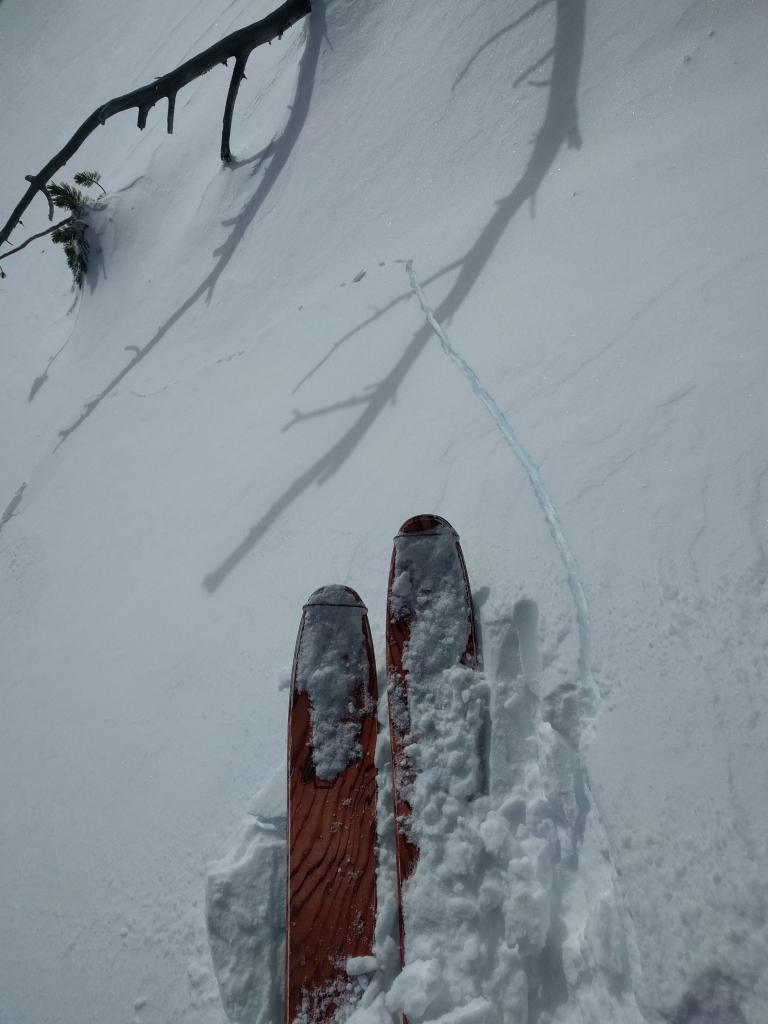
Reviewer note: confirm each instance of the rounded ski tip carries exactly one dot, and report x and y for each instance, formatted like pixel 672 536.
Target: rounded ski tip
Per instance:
pixel 337 596
pixel 426 526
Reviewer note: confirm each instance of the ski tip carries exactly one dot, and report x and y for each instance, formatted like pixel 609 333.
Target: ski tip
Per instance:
pixel 336 596
pixel 426 526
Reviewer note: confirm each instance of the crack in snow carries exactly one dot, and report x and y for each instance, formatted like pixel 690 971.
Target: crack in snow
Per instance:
pixel 568 559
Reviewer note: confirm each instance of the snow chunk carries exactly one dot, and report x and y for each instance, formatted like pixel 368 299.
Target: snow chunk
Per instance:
pixel 358 965
pixel 332 669
pixel 429 588
pixel 415 988
pixel 495 834
pixel 245 907
pixel 477 1011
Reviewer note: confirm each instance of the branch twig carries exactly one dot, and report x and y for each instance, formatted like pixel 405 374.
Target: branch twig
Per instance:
pixel 238 75
pixel 238 44
pixel 40 234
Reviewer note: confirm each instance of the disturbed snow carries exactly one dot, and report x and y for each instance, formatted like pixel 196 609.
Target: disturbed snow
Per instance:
pixel 331 662
pixel 512 914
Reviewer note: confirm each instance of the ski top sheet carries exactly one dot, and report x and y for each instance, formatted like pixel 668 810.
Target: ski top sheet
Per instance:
pixel 331 876
pixel 430 633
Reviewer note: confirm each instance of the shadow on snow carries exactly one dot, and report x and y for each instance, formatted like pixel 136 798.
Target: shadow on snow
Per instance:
pixel 559 127
pixel 278 153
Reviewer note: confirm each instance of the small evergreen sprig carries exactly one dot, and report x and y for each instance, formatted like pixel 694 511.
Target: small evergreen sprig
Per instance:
pixel 88 179
pixel 71 233
pixel 66 197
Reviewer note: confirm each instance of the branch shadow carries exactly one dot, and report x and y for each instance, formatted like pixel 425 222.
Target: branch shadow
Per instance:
pixel 42 378
pixel 12 506
pixel 280 150
pixel 502 32
pixel 524 75
pixel 402 297
pixel 559 127
pixel 348 403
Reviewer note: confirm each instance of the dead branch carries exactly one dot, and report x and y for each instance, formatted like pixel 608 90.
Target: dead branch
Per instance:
pixel 238 75
pixel 238 44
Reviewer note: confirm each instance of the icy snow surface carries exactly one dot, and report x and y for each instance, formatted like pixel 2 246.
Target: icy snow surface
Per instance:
pixel 247 400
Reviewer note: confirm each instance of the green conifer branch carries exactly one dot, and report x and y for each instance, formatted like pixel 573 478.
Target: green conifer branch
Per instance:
pixel 88 179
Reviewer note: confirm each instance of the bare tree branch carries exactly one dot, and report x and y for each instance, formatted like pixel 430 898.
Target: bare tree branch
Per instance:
pixel 171 112
pixel 238 75
pixel 238 44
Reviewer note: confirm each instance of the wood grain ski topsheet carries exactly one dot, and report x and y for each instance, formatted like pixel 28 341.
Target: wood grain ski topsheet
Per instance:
pixel 332 727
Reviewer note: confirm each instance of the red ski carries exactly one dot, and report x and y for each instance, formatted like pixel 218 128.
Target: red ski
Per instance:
pixel 430 629
pixel 331 878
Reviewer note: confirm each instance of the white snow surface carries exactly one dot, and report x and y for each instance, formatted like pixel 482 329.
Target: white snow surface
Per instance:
pixel 248 398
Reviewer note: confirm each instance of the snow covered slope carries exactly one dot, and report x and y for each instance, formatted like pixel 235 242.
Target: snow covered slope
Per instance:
pixel 247 400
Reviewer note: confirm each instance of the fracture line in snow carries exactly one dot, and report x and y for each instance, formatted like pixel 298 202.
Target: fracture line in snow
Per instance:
pixel 542 496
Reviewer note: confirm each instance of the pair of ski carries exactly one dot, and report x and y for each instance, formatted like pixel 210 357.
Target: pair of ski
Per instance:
pixel 332 732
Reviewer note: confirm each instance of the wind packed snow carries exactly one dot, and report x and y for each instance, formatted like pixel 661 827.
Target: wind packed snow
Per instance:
pixel 250 395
